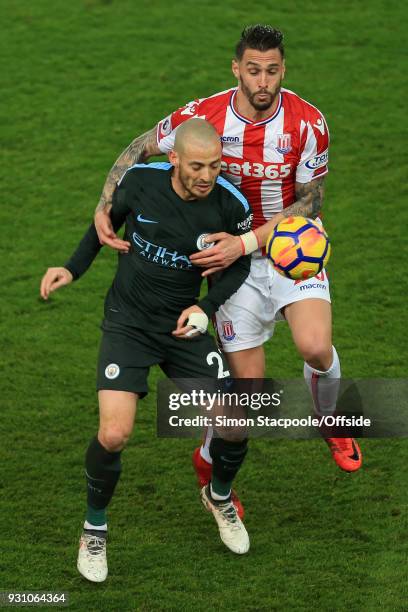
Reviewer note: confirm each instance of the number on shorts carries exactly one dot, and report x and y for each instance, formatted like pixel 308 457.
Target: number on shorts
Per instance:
pixel 217 357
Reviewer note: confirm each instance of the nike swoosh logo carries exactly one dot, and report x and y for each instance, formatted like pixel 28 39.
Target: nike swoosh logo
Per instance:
pixel 143 220
pixel 355 454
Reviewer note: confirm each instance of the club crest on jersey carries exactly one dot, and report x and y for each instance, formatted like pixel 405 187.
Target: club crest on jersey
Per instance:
pixel 284 144
pixel 112 371
pixel 228 332
pixel 201 244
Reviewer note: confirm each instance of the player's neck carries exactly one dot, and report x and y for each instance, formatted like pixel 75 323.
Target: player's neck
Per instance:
pixel 179 189
pixel 245 108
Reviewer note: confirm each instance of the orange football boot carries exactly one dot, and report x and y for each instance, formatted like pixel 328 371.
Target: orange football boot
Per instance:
pixel 346 453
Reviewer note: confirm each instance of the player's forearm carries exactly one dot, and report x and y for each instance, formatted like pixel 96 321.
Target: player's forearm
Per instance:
pixel 229 282
pixel 309 200
pixel 262 232
pixel 138 151
pixel 89 246
pixel 84 254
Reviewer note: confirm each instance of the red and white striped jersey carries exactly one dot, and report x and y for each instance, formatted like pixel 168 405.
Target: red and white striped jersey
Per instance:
pixel 266 158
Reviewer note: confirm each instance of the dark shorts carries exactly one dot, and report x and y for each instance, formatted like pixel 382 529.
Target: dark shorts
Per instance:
pixel 127 353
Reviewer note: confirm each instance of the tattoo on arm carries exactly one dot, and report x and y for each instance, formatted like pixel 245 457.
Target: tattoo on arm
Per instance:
pixel 139 150
pixel 309 199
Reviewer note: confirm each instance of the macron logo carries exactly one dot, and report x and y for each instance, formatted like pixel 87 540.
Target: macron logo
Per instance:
pixel 229 139
pixel 143 220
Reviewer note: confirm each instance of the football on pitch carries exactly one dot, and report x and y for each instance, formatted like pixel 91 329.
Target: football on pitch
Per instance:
pixel 298 248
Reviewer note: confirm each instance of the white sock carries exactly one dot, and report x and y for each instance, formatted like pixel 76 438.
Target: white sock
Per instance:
pixel 324 386
pixel 218 497
pixel 205 447
pixel 95 527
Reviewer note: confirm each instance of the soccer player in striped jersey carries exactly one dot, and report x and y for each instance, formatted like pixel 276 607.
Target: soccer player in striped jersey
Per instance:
pixel 275 148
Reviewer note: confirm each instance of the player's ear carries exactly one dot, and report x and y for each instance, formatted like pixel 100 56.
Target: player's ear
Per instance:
pixel 173 157
pixel 235 68
pixel 283 69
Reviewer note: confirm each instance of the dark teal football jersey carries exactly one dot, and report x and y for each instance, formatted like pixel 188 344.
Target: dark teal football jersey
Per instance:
pixel 156 280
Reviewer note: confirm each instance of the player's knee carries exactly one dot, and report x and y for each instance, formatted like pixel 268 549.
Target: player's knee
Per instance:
pixel 317 352
pixel 113 437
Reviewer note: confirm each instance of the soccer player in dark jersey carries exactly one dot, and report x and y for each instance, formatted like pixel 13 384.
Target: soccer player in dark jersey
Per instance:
pixel 153 315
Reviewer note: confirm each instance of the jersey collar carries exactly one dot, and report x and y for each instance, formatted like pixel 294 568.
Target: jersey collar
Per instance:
pixel 248 121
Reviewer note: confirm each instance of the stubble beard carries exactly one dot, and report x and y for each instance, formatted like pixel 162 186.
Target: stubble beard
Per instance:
pixel 260 106
pixel 188 186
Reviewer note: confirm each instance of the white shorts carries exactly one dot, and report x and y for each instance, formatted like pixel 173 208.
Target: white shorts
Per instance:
pixel 248 318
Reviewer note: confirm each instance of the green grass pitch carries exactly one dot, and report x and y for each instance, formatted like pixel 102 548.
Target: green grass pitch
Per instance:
pixel 80 80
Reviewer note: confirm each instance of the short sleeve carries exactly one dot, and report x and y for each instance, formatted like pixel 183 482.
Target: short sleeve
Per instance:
pixel 239 219
pixel 166 129
pixel 314 148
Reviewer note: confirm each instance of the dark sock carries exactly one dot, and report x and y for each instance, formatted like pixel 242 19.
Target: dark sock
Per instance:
pixel 102 474
pixel 95 517
pixel 227 458
pixel 97 532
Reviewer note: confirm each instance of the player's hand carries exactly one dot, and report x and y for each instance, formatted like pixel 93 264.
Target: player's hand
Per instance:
pixel 223 254
pixel 106 235
pixel 53 279
pixel 182 329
